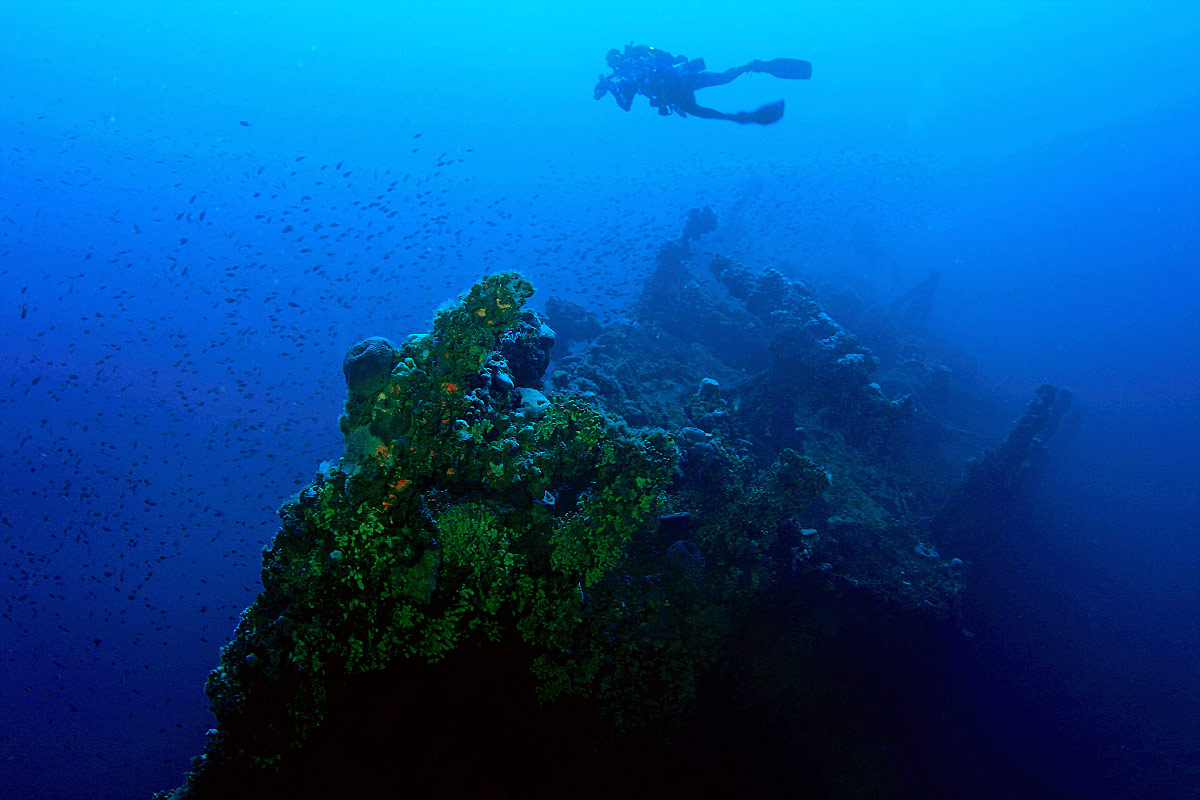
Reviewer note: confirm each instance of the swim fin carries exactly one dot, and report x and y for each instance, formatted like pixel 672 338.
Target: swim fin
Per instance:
pixel 785 68
pixel 765 115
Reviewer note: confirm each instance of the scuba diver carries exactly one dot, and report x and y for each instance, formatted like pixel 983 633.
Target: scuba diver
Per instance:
pixel 670 82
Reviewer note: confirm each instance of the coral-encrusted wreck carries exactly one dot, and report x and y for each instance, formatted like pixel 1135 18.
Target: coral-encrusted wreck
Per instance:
pixel 514 585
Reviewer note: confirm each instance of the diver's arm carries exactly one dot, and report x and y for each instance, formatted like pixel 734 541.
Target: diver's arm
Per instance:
pixel 624 99
pixel 619 91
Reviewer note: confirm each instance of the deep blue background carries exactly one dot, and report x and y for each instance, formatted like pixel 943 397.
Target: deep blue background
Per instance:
pixel 168 378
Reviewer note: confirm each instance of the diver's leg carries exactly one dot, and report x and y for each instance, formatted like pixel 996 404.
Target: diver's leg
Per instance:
pixel 793 68
pixel 706 79
pixel 765 115
pixel 701 111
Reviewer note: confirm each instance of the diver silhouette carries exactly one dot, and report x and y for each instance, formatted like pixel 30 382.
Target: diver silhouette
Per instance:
pixel 670 82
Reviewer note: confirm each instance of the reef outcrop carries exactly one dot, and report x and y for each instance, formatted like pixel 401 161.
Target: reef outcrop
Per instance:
pixel 525 577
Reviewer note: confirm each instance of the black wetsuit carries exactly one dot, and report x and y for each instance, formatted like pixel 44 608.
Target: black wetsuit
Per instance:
pixel 670 82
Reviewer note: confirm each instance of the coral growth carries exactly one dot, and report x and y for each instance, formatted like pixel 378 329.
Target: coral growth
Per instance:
pixel 495 539
pixel 456 518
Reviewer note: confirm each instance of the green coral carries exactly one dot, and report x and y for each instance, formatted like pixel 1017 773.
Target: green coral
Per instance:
pixel 468 331
pixel 478 558
pixel 742 516
pixel 451 521
pixel 623 479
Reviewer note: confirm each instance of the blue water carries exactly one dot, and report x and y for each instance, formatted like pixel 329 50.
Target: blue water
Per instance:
pixel 202 207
